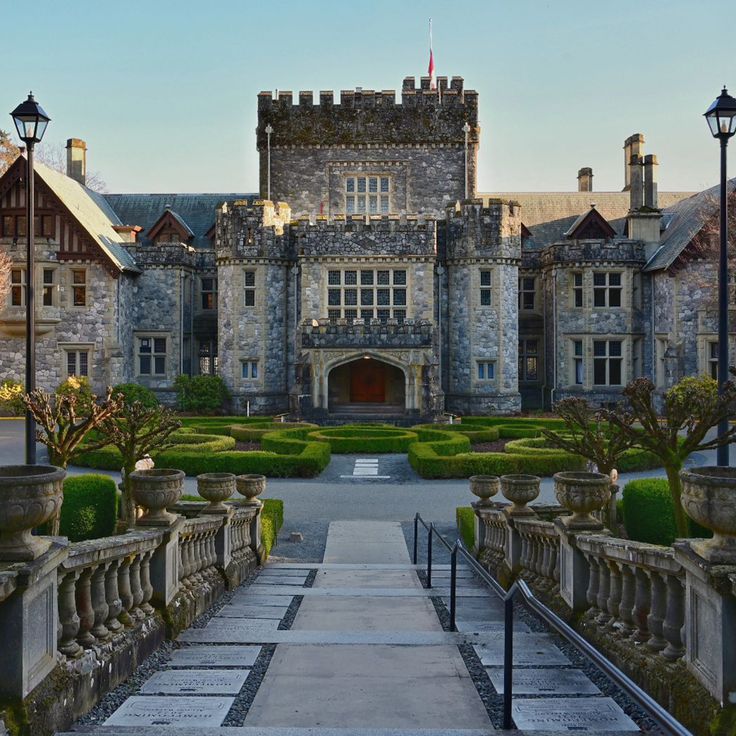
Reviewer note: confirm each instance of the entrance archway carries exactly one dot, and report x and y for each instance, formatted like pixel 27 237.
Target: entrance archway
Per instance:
pixel 367 385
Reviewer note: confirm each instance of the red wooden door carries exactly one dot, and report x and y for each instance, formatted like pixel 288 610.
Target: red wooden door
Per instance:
pixel 368 382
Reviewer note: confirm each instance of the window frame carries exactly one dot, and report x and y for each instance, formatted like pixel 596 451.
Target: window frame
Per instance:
pixel 577 290
pixel 76 349
pixel 152 355
pixel 18 287
pixel 578 362
pixel 357 201
pixel 485 290
pixel 209 294
pixel 607 359
pixel 250 369
pixel 482 366
pixel 524 355
pixel 359 295
pixel 249 290
pixel 607 289
pixel 74 285
pixel 524 292
pixel 48 288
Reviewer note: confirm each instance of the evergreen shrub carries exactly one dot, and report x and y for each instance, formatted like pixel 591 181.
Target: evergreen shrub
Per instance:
pixel 254 432
pixel 475 433
pixel 465 518
pixel 355 438
pixel 201 394
pixel 89 510
pixel 648 515
pixel 133 392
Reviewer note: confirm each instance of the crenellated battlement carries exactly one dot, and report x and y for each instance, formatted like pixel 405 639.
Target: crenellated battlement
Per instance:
pixel 365 117
pixel 342 224
pixel 486 230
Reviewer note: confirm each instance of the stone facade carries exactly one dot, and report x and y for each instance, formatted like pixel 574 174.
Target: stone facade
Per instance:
pixel 368 282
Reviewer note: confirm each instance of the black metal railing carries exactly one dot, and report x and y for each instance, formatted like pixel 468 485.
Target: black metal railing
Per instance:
pixel 520 590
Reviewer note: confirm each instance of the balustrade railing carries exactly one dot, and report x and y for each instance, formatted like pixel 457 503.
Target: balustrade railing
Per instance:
pixel 197 551
pixel 636 590
pixel 493 533
pixel 240 536
pixel 104 587
pixel 539 557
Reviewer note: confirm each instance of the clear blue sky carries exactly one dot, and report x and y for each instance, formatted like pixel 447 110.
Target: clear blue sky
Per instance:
pixel 164 91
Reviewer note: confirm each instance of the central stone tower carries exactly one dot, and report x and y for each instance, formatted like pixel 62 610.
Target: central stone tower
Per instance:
pixel 369 154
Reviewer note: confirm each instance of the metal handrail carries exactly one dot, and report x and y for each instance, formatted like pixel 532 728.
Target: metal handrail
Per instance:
pixel 520 589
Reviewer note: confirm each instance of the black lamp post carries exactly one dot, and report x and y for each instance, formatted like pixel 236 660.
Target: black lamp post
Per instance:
pixel 721 117
pixel 30 122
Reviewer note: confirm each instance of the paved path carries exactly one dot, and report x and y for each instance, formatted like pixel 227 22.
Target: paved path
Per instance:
pixel 366 655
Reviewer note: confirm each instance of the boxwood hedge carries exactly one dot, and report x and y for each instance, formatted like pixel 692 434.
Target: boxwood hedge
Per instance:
pixel 465 519
pixel 254 431
pixel 648 515
pixel 353 438
pixel 89 509
pixel 475 433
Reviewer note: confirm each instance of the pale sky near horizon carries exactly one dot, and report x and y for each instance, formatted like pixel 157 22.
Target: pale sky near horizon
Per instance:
pixel 164 91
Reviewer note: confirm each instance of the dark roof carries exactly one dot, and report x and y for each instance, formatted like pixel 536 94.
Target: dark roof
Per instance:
pixel 684 220
pixel 196 211
pixel 549 215
pixel 590 224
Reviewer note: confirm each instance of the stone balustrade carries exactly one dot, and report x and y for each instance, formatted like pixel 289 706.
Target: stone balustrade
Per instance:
pixel 648 607
pixel 104 587
pixel 77 619
pixel 637 590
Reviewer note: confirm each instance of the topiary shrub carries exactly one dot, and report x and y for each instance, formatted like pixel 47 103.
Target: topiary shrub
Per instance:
pixel 254 432
pixel 465 519
pixel 272 519
pixel 201 394
pixel 90 507
pixel 648 515
pixel 132 392
pixel 11 398
pixel 475 433
pixel 356 438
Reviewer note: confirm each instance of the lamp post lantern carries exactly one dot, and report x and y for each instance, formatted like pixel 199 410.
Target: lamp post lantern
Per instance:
pixel 721 118
pixel 269 130
pixel 466 130
pixel 30 122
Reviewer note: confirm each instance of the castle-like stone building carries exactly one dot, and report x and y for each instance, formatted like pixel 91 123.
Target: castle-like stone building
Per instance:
pixel 367 276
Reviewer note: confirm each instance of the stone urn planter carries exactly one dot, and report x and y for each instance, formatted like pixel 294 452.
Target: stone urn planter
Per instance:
pixel 156 490
pixel 30 495
pixel 485 487
pixel 215 488
pixel 520 489
pixel 709 497
pixel 250 486
pixel 582 493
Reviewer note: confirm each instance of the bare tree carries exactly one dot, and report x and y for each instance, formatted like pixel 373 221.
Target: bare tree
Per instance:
pixel 8 152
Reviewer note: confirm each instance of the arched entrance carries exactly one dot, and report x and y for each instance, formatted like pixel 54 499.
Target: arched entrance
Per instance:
pixel 367 385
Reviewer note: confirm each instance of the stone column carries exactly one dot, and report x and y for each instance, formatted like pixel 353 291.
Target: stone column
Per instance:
pixel 223 539
pixel 29 620
pixel 574 571
pixel 710 622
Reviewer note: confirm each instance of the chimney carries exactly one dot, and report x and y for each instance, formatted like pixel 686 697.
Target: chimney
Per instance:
pixel 76 160
pixel 633 146
pixel 636 182
pixel 650 181
pixel 585 179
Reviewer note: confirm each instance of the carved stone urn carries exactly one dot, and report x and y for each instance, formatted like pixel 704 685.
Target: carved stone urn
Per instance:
pixel 215 488
pixel 709 497
pixel 582 493
pixel 30 495
pixel 156 490
pixel 520 489
pixel 485 487
pixel 250 486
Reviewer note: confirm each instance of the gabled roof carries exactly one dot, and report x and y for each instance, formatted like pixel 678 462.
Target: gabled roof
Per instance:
pixel 589 226
pixel 196 210
pixel 93 214
pixel 548 215
pixel 169 217
pixel 684 221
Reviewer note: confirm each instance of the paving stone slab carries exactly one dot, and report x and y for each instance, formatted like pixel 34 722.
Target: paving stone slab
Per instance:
pixel 276 581
pixel 466 625
pixel 195 682
pixel 581 715
pixel 247 611
pixel 284 731
pixel 262 600
pixel 151 710
pixel 275 590
pixel 268 571
pixel 216 633
pixel 548 681
pixel 225 656
pixel 529 649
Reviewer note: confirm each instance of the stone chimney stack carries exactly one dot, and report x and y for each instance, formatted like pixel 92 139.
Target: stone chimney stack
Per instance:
pixel 650 181
pixel 633 146
pixel 636 182
pixel 76 160
pixel 585 179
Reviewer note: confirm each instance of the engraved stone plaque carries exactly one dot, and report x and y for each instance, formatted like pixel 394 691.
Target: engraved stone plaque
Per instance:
pixel 571 714
pixel 224 656
pixel 150 710
pixel 552 681
pixel 195 682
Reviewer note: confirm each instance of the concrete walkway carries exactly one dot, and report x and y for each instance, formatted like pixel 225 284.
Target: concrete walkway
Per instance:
pixel 365 655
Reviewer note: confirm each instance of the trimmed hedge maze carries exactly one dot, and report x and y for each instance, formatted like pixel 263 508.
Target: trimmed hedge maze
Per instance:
pixel 353 438
pixel 285 453
pixel 446 452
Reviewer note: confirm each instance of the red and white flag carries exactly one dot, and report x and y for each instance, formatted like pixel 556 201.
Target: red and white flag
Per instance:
pixel 430 71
